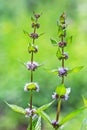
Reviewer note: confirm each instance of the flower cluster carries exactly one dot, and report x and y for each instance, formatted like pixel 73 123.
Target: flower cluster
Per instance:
pixel 30 112
pixel 31 86
pixel 65 96
pixel 62 71
pixel 31 65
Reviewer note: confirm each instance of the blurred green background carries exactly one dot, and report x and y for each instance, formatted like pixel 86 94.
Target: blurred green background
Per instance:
pixel 15 16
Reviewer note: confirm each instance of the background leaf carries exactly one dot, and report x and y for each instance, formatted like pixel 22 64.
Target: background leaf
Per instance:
pixel 71 115
pixel 75 70
pixel 54 42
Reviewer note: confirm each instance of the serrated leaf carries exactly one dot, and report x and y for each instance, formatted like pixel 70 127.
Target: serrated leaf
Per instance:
pixel 44 107
pixel 69 40
pixel 54 42
pixel 45 116
pixel 71 115
pixel 75 70
pixel 85 101
pixel 61 90
pixel 16 108
pixel 38 125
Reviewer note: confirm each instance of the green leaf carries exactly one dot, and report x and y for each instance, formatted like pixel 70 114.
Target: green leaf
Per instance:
pixel 75 70
pixel 62 18
pixel 31 48
pixel 16 108
pixel 26 33
pixel 61 90
pixel 69 40
pixel 59 54
pixel 31 86
pixel 34 122
pixel 85 101
pixel 33 19
pixel 45 116
pixel 60 31
pixel 54 71
pixel 71 115
pixel 44 107
pixel 54 42
pixel 41 34
pixel 38 125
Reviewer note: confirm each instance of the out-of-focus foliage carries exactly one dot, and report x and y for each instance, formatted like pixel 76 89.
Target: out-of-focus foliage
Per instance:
pixel 15 16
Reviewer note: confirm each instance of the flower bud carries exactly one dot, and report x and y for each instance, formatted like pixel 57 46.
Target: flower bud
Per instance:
pixel 31 65
pixel 37 16
pixel 65 56
pixel 54 123
pixel 62 71
pixel 55 96
pixel 62 44
pixel 30 113
pixel 34 35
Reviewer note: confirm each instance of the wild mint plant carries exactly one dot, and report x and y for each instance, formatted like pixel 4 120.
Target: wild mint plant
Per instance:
pixel 33 113
pixel 62 92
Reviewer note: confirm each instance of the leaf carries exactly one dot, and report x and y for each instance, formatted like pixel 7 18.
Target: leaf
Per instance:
pixel 61 90
pixel 41 34
pixel 33 19
pixel 58 54
pixel 38 125
pixel 54 71
pixel 69 40
pixel 26 33
pixel 60 31
pixel 31 48
pixel 85 101
pixel 54 42
pixel 44 107
pixel 62 18
pixel 45 116
pixel 16 108
pixel 75 70
pixel 71 115
pixel 34 122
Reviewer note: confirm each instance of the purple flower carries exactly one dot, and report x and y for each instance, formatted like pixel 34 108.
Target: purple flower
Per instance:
pixel 37 16
pixel 35 25
pixel 65 56
pixel 55 96
pixel 62 71
pixel 62 44
pixel 31 65
pixel 34 35
pixel 30 112
pixel 66 96
pixel 54 123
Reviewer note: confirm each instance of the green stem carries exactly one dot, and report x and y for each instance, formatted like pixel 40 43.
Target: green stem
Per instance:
pixel 58 109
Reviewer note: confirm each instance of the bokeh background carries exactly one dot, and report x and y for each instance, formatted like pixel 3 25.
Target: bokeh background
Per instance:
pixel 15 16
